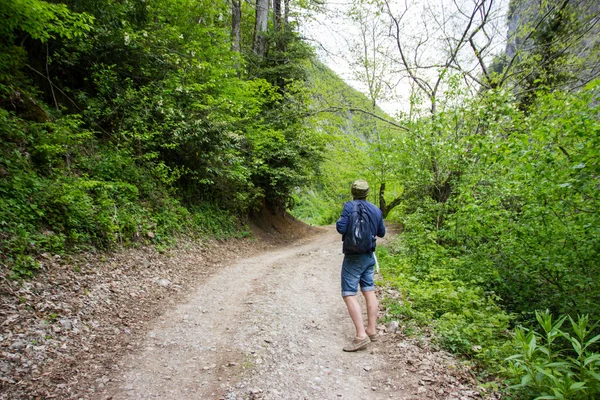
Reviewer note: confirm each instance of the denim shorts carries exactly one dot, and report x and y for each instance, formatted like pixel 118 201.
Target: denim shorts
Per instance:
pixel 357 269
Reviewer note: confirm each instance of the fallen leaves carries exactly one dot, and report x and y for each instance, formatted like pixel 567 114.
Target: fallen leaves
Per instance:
pixel 62 332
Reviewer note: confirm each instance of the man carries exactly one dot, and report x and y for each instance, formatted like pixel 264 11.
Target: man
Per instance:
pixel 358 268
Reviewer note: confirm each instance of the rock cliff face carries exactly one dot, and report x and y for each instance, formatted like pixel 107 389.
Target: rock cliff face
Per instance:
pixel 566 29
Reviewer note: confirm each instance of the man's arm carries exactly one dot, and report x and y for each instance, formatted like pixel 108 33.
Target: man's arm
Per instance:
pixel 342 224
pixel 381 227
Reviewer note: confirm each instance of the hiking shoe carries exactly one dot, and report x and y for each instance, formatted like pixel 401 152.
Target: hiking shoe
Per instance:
pixel 357 344
pixel 374 337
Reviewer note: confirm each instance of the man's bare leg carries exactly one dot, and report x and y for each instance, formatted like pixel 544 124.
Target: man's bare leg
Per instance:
pixel 356 315
pixel 372 310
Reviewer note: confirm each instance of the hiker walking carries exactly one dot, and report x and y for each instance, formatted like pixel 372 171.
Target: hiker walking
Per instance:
pixel 359 223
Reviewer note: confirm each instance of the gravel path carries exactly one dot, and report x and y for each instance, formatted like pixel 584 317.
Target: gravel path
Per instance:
pixel 272 326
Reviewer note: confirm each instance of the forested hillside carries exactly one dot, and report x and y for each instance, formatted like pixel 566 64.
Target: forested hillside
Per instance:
pixel 129 122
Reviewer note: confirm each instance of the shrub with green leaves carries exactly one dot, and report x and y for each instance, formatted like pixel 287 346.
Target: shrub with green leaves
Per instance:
pixel 466 320
pixel 557 363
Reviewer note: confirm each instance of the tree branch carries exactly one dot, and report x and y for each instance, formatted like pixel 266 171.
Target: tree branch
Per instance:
pixel 360 110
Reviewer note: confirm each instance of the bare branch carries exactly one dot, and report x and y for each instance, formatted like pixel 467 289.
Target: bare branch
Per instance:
pixel 360 110
pixel 424 86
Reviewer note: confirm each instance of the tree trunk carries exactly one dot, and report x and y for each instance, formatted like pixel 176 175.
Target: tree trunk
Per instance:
pixel 383 205
pixel 236 19
pixel 277 15
pixel 262 22
pixel 286 13
pixel 277 24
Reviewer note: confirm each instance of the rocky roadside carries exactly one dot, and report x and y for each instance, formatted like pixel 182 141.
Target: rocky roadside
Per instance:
pixel 61 332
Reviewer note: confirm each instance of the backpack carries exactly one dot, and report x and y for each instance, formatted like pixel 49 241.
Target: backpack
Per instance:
pixel 358 238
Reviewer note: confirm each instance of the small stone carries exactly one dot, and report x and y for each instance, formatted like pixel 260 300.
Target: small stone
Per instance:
pixel 163 282
pixel 17 345
pixel 393 326
pixel 373 388
pixel 66 324
pixel 367 368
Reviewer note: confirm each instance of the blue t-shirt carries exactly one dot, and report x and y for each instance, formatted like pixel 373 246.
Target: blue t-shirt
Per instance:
pixel 377 227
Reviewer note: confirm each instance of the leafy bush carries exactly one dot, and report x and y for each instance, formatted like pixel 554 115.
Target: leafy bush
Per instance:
pixel 72 192
pixel 465 319
pixel 557 363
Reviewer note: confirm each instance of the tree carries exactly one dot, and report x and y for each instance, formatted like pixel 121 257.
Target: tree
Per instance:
pixel 153 123
pixel 260 28
pixel 465 33
pixel 370 62
pixel 236 22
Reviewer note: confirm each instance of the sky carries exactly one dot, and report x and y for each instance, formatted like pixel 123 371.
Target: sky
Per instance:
pixel 332 34
pixel 329 34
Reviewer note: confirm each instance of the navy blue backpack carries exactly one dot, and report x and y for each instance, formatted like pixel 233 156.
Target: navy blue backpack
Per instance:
pixel 358 238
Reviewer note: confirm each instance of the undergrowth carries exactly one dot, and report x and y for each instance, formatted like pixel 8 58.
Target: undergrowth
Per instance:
pixel 464 318
pixel 64 191
pixel 546 361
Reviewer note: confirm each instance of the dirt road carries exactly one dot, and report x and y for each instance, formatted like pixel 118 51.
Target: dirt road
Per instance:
pixel 273 327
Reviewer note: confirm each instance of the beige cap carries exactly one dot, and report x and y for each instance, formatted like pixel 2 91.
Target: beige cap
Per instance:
pixel 360 189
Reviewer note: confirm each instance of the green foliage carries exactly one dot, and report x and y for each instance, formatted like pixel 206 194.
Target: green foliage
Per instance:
pixel 71 191
pixel 156 128
pixel 512 196
pixel 39 20
pixel 526 216
pixel 352 147
pixel 557 363
pixel 42 20
pixel 466 320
